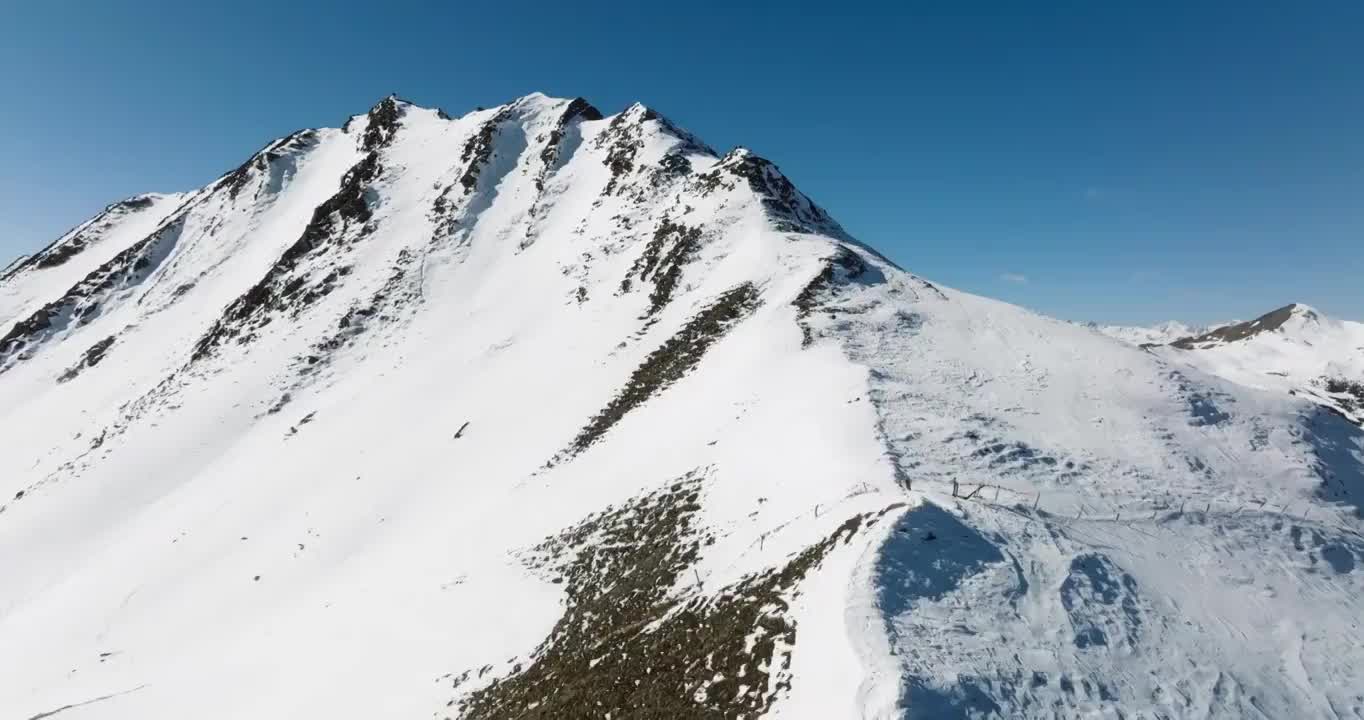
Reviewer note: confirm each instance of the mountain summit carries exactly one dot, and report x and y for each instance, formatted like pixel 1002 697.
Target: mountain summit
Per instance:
pixel 542 413
pixel 1293 349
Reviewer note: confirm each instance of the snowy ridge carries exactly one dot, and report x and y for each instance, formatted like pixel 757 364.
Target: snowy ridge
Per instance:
pixel 74 255
pixel 14 264
pixel 539 413
pixel 1294 349
pixel 1293 343
pixel 1161 334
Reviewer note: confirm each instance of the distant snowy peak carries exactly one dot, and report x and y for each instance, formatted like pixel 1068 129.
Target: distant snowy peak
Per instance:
pixel 1287 319
pixel 1162 334
pixel 1296 337
pixel 1294 348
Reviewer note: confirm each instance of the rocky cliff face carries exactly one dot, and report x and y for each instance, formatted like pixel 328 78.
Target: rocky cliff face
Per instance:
pixel 538 412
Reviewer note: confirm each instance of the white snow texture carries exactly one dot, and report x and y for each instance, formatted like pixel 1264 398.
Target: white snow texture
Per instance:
pixel 289 446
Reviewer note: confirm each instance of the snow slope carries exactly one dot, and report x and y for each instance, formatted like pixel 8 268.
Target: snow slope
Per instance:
pixel 535 413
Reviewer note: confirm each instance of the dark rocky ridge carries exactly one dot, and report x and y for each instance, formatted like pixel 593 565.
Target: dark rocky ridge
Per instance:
pixel 624 138
pixel 479 150
pixel 70 245
pixel 789 209
pixel 1268 322
pixel 282 289
pixel 664 269
pixel 259 163
pixel 840 269
pixel 84 301
pixel 383 123
pixel 457 202
pixel 14 266
pixel 90 358
pixel 557 145
pixel 578 109
pixel 669 363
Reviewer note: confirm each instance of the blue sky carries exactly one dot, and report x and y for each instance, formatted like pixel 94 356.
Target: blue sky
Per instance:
pixel 1122 162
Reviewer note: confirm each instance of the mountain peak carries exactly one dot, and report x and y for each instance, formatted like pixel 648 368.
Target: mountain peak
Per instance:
pixel 1272 321
pixel 639 112
pixel 390 99
pixel 1307 312
pixel 646 432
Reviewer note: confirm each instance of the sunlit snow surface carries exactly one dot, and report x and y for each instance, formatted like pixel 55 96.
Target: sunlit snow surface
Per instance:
pixel 304 478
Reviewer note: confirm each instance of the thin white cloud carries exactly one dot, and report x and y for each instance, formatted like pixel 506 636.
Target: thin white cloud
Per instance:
pixel 1015 278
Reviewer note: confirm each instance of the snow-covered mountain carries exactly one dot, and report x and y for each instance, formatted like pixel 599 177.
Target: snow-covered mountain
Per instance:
pixel 535 413
pixel 1293 349
pixel 1160 334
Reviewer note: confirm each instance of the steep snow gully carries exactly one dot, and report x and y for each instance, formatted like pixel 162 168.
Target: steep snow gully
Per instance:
pixel 541 413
